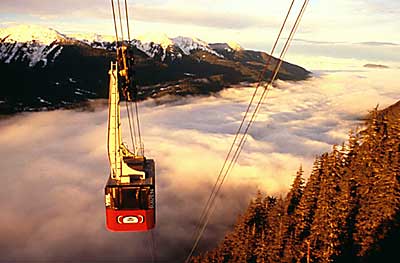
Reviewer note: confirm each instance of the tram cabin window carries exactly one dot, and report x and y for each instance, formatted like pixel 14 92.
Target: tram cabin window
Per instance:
pixel 130 197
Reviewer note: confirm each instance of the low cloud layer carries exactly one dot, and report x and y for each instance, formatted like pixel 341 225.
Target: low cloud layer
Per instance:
pixel 54 165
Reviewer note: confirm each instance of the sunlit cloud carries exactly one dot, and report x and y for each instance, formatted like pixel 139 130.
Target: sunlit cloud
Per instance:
pixel 54 164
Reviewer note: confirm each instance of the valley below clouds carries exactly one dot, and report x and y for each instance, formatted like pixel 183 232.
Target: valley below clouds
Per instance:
pixel 54 164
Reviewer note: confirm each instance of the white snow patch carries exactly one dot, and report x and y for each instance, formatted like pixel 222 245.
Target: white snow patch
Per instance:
pixel 187 44
pixel 149 48
pixel 58 52
pixel 85 91
pixel 29 43
pixel 38 54
pixel 44 101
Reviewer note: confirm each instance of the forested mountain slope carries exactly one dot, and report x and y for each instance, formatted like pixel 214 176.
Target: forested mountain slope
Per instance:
pixel 348 211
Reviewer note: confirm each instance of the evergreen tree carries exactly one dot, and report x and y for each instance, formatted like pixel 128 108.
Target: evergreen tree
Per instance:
pixel 291 220
pixel 348 211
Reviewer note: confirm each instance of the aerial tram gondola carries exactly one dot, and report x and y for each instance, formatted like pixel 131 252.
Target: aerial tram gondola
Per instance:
pixel 130 189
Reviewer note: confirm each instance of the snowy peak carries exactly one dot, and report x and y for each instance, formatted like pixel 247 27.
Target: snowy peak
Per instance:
pixel 34 44
pixel 152 43
pixel 91 37
pixel 30 44
pixel 30 33
pixel 187 44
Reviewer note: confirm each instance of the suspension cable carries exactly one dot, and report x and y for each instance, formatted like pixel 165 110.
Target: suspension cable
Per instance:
pixel 115 23
pixel 245 134
pixel 130 125
pixel 133 112
pixel 127 21
pixel 260 78
pixel 207 211
pixel 267 88
pixel 141 145
pixel 120 20
pixel 151 244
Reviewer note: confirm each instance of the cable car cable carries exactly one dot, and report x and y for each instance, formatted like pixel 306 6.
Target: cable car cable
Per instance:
pixel 153 246
pixel 120 20
pixel 133 113
pixel 117 40
pixel 130 125
pixel 139 144
pixel 115 23
pixel 261 75
pixel 245 116
pixel 238 150
pixel 266 90
pixel 128 108
pixel 127 22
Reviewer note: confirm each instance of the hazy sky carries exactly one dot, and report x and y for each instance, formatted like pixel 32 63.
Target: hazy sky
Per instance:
pixel 337 28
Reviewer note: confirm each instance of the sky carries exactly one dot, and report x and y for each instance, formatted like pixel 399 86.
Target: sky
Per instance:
pixel 55 171
pixel 54 164
pixel 360 29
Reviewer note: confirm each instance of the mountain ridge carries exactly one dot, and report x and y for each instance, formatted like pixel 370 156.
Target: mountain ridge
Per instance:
pixel 347 211
pixel 65 71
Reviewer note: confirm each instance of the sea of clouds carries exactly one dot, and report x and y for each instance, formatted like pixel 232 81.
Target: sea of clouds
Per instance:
pixel 54 164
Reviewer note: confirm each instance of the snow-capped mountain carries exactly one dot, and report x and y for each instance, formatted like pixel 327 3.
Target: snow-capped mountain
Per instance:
pixel 37 44
pixel 45 69
pixel 31 44
pixel 32 53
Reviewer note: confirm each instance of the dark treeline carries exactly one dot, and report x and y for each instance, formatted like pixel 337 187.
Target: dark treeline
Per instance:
pixel 348 211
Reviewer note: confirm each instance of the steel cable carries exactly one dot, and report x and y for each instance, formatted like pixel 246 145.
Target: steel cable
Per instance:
pixel 207 211
pixel 261 75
